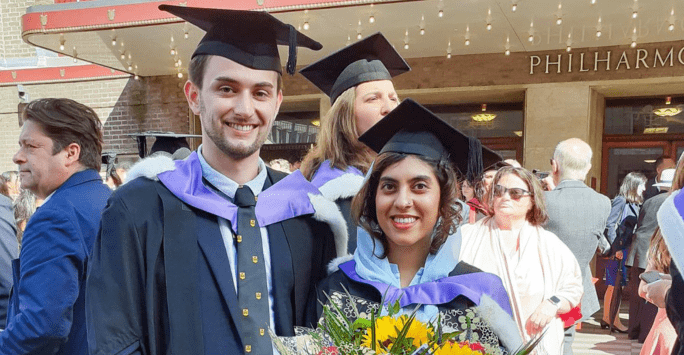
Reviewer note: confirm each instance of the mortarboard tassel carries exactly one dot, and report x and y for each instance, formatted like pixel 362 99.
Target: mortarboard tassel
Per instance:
pixel 292 56
pixel 474 159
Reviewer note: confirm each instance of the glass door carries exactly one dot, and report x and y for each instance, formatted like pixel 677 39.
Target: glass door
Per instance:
pixel 628 158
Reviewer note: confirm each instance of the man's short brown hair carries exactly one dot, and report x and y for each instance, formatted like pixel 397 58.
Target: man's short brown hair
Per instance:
pixel 66 121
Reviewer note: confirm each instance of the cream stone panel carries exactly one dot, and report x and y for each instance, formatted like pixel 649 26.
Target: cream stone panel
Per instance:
pixel 555 112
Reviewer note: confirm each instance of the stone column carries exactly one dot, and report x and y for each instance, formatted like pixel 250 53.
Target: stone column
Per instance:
pixel 555 112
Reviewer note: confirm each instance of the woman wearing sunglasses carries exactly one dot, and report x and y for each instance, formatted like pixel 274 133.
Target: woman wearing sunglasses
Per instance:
pixel 540 273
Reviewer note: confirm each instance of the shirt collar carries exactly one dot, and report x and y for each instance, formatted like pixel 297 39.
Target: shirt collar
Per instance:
pixel 48 197
pixel 227 186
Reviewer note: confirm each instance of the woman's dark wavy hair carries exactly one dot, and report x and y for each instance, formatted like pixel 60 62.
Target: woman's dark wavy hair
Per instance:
pixel 630 187
pixel 364 210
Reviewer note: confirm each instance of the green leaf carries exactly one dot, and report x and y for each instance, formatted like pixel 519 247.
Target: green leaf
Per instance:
pixel 356 311
pixel 373 340
pixel 361 323
pixel 394 308
pixel 528 347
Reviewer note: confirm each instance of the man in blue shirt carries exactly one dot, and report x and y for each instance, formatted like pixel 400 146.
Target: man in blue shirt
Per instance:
pixel 59 159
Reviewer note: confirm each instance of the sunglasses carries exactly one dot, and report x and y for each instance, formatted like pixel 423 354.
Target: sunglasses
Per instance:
pixel 516 193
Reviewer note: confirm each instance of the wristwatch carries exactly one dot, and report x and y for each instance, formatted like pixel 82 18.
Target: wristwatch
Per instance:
pixel 555 301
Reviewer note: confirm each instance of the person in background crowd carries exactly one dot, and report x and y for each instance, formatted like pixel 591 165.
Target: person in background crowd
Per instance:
pixel 481 184
pixel 12 179
pixel 660 164
pixel 358 80
pixel 409 229
pixel 296 164
pixel 117 175
pixel 24 207
pixel 488 176
pixel 577 215
pixel 624 211
pixel 280 165
pixel 472 195
pixel 59 159
pixel 4 187
pixel 113 180
pixel 540 273
pixel 467 191
pixel 235 247
pixel 669 293
pixel 641 313
pixel 662 335
pixel 547 183
pixel 9 248
pixel 513 163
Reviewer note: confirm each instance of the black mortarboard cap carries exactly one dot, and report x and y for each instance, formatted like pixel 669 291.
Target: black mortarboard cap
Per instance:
pixel 250 38
pixel 372 58
pixel 412 129
pixel 164 141
pixel 168 144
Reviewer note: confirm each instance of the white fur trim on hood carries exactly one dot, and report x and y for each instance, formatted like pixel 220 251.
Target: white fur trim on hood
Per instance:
pixel 328 212
pixel 343 186
pixel 150 167
pixel 501 323
pixel 672 227
pixel 334 264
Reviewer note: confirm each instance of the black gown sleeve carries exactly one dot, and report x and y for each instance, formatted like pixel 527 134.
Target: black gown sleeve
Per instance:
pixel 115 309
pixel 675 306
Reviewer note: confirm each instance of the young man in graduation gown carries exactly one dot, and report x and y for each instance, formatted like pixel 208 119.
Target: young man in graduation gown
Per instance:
pixel 204 255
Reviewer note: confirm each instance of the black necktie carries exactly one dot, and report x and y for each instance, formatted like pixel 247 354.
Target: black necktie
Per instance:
pixel 251 283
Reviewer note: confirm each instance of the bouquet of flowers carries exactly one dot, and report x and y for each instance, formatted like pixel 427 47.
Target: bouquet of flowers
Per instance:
pixel 392 333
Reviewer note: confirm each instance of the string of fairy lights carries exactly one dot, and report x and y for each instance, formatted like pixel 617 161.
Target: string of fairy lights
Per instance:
pixel 128 61
pixel 559 16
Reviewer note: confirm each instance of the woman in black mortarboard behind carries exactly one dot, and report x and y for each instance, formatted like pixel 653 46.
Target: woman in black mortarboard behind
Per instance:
pixel 409 240
pixel 358 80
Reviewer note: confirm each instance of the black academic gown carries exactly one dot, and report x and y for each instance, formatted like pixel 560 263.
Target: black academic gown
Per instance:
pixel 675 307
pixel 344 204
pixel 161 283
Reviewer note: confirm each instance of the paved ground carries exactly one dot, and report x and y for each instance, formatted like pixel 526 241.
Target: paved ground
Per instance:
pixel 592 340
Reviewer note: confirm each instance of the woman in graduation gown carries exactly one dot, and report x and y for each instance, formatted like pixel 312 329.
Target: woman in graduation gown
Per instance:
pixel 409 228
pixel 358 80
pixel 540 273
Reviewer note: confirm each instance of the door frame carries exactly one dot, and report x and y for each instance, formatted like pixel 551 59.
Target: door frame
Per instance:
pixel 505 143
pixel 669 143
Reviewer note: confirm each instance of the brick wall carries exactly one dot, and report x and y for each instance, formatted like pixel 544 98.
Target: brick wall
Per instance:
pixel 11 44
pixel 124 105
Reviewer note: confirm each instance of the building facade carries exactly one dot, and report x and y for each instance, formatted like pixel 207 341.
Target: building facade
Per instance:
pixel 564 83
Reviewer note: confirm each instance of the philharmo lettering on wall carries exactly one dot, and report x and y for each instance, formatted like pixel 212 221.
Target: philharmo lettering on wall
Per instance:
pixel 594 61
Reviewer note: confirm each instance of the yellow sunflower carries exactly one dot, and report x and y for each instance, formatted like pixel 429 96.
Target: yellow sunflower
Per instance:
pixel 386 328
pixel 450 348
